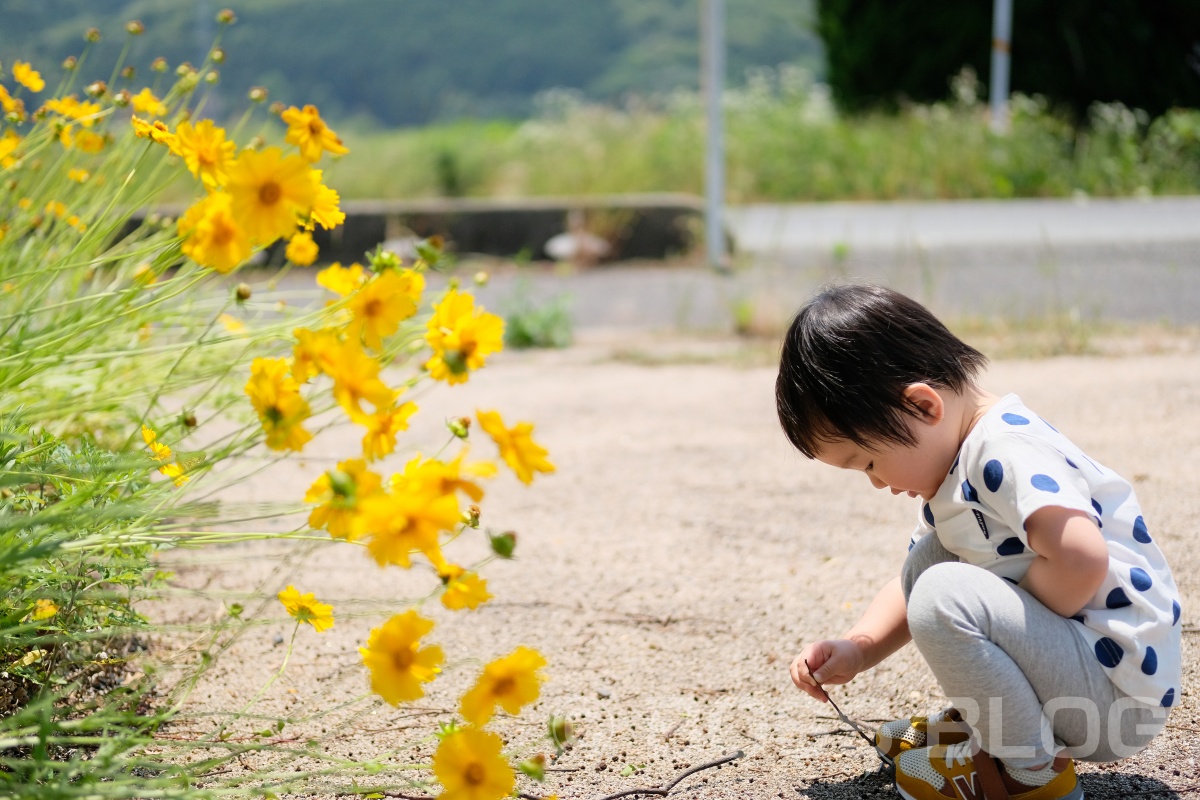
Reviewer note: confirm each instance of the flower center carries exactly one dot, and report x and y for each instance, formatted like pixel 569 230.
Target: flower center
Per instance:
pixel 503 686
pixel 402 659
pixel 474 773
pixel 269 193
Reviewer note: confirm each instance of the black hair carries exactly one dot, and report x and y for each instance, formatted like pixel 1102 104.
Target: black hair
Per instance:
pixel 849 355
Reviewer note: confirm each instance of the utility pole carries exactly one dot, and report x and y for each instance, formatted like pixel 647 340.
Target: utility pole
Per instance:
pixel 1002 13
pixel 713 73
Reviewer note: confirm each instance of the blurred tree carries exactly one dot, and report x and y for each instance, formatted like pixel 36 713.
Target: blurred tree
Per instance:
pixel 1143 53
pixel 411 62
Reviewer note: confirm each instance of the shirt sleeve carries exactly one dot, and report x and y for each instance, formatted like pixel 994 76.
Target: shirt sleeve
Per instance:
pixel 1016 474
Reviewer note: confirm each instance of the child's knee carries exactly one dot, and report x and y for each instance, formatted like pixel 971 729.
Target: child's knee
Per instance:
pixel 942 599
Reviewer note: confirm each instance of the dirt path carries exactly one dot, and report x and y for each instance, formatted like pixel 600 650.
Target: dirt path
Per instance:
pixel 676 562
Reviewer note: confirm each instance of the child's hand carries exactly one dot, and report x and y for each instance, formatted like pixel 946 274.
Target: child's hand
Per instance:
pixel 831 660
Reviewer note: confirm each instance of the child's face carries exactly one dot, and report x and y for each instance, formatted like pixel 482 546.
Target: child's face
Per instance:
pixel 916 470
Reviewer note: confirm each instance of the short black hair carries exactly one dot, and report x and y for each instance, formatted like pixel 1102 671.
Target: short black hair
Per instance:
pixel 849 355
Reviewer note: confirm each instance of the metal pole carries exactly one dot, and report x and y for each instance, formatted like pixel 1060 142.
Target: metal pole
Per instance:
pixel 714 159
pixel 1002 12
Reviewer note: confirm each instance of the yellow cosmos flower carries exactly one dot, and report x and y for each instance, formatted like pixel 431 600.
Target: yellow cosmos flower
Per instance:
pixel 382 429
pixel 516 444
pixel 301 249
pixel 71 108
pixel 339 494
pixel 24 74
pixel 89 142
pixel 383 303
pixel 156 131
pixel 306 608
pixel 43 609
pixel 205 151
pixel 342 280
pixel 400 524
pixel 439 477
pixel 469 766
pixel 463 589
pixel 309 132
pixel 144 102
pixel 270 192
pixel 232 323
pixel 461 337
pixel 175 472
pixel 509 682
pixel 397 662
pixel 326 210
pixel 315 352
pixel 158 450
pixel 9 143
pixel 8 103
pixel 277 400
pixel 356 379
pixel 212 236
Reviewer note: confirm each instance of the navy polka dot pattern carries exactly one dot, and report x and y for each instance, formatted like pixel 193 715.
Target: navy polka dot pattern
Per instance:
pixel 993 475
pixel 1108 652
pixel 1168 698
pixel 1012 464
pixel 1150 662
pixel 1117 599
pixel 1045 483
pixel 1011 546
pixel 1140 579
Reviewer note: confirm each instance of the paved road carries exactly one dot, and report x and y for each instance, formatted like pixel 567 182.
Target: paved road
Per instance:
pixel 765 229
pixel 1129 260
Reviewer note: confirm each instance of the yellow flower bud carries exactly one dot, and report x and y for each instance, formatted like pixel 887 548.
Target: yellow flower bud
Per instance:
pixel 135 27
pixel 159 64
pixel 226 16
pixel 92 35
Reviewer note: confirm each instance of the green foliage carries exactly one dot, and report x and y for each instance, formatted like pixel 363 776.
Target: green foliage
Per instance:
pixel 528 323
pixel 411 62
pixel 785 142
pixel 1075 52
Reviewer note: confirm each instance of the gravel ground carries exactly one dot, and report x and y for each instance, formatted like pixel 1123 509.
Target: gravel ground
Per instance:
pixel 675 564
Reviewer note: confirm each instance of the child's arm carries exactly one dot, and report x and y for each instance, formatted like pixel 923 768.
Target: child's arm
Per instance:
pixel 881 631
pixel 1072 559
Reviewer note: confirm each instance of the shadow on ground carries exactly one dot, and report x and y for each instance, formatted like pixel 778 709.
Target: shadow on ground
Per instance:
pixel 873 785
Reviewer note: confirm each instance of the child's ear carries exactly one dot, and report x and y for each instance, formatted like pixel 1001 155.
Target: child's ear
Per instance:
pixel 926 401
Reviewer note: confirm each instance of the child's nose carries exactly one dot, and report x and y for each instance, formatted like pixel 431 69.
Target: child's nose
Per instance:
pixel 878 484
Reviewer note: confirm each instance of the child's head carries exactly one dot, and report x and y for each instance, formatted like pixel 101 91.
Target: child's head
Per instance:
pixel 847 359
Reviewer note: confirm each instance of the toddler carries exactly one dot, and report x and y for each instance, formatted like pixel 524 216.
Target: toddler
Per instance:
pixel 1032 586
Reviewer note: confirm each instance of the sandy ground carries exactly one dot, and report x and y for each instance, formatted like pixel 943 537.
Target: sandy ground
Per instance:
pixel 673 567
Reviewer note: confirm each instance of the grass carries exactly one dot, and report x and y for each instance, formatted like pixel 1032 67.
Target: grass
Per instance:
pixel 785 142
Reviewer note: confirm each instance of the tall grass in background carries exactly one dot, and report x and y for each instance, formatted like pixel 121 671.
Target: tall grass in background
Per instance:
pixel 124 409
pixel 786 142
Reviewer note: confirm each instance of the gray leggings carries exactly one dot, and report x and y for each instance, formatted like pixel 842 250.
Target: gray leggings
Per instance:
pixel 1019 673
